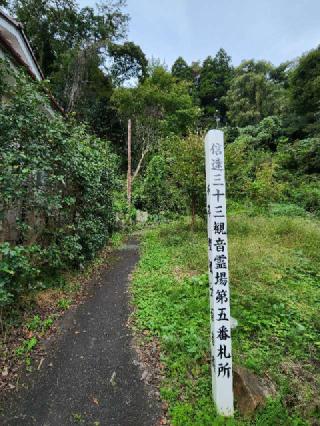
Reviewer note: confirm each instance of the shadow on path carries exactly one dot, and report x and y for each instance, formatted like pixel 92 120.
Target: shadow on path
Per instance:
pixel 91 376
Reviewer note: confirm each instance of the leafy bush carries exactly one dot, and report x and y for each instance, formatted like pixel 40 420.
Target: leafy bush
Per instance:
pixel 307 194
pixel 265 187
pixel 302 156
pixel 18 271
pixel 188 170
pixel 252 174
pixel 60 182
pixel 286 209
pixel 157 191
pixel 265 134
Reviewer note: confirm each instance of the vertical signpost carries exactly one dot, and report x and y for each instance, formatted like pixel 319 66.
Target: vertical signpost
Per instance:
pixel 129 178
pixel 221 359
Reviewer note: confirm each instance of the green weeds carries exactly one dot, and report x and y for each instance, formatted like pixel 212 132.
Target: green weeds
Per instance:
pixel 37 324
pixel 275 290
pixel 64 304
pixel 27 346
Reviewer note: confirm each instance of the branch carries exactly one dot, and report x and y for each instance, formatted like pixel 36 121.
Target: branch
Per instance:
pixel 144 152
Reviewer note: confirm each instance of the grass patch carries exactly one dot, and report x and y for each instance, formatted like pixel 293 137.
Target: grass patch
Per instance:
pixel 275 293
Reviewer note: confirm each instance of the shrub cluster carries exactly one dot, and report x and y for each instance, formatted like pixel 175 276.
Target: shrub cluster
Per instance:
pixel 57 179
pixel 263 166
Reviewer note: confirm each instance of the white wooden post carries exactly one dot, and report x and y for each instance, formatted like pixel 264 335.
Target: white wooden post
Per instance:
pixel 218 274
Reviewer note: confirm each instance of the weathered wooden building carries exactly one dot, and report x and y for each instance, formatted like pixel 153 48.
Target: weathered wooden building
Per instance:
pixel 15 46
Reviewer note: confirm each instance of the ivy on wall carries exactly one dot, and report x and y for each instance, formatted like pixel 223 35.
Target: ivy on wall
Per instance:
pixel 57 179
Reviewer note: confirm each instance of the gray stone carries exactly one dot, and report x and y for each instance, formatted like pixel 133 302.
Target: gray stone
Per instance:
pixel 141 216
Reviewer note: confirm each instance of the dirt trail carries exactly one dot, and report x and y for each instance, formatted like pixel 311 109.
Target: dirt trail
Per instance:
pixel 90 376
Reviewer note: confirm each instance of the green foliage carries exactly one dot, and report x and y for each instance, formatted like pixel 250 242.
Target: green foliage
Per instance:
pixel 307 194
pixel 158 107
pixel 54 171
pixel 305 89
pixel 267 134
pixel 64 304
pixel 188 170
pixel 128 62
pixel 125 213
pixel 19 271
pixel 286 209
pixel 276 335
pixel 27 346
pixel 264 166
pixel 251 174
pixel 302 156
pixel 215 79
pixel 157 191
pixel 253 95
pixel 37 324
pixel 55 27
pixel 84 54
pixel 181 70
pixel 159 99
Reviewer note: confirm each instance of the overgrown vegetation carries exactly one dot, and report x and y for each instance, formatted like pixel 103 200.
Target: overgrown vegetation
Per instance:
pixel 63 186
pixel 270 114
pixel 274 286
pixel 59 182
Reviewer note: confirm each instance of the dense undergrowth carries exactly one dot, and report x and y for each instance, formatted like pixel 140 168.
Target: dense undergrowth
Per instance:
pixel 58 182
pixel 275 286
pixel 60 198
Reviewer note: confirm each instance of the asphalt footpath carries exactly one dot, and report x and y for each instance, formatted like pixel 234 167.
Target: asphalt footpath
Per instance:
pixel 90 375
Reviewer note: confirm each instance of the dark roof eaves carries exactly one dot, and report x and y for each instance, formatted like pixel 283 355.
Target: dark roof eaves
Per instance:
pixel 19 26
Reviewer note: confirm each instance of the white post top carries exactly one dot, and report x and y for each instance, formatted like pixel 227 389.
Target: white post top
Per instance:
pixel 214 135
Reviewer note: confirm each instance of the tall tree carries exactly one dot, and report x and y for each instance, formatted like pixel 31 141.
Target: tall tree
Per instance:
pixel 55 26
pixel 129 62
pixel 253 94
pixel 215 78
pixel 158 106
pixel 188 170
pixel 181 70
pixel 80 53
pixel 305 90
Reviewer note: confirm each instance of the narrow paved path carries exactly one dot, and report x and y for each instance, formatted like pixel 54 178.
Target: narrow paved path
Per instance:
pixel 90 376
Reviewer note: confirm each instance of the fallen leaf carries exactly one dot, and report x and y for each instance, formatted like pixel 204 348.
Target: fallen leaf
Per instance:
pixel 5 371
pixel 165 406
pixel 95 401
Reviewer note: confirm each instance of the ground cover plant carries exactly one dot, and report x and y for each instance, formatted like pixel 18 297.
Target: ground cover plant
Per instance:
pixel 275 287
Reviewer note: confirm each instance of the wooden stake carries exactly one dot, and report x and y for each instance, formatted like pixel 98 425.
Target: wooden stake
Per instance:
pixel 129 178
